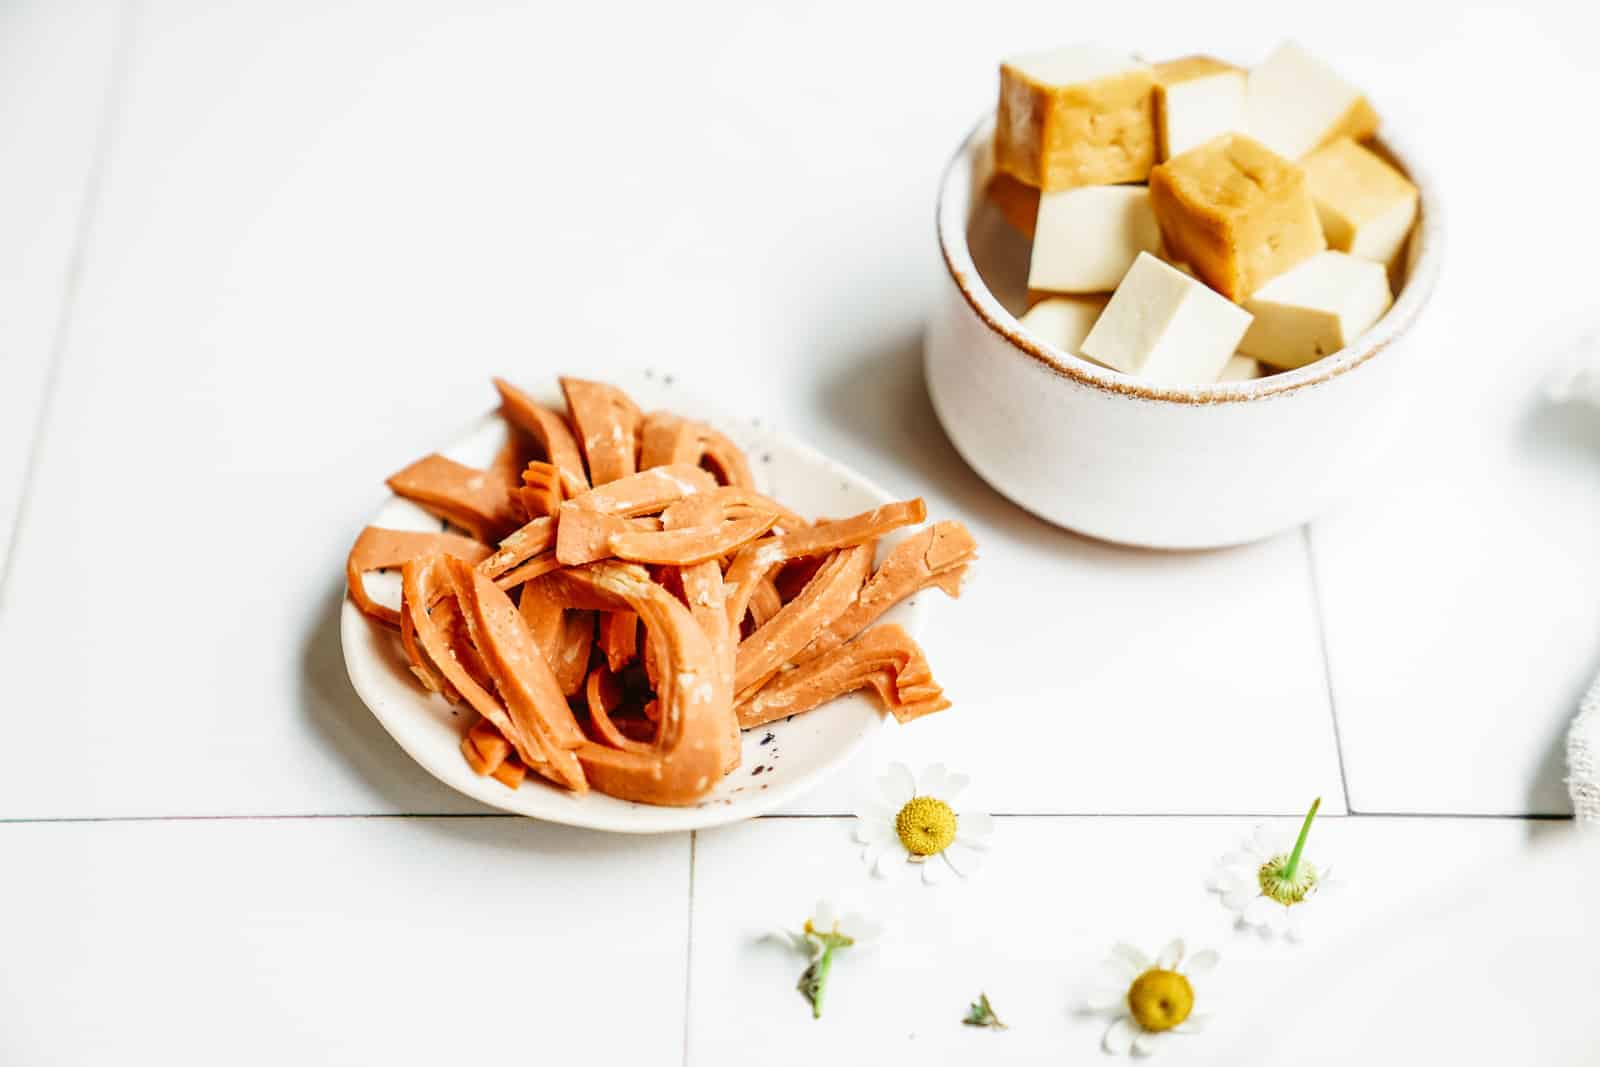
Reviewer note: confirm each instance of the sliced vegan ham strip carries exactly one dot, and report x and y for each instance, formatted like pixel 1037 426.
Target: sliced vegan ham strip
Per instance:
pixel 533 699
pixel 585 536
pixel 423 581
pixel 607 424
pixel 549 430
pixel 466 496
pixel 542 489
pixel 884 659
pixel 646 492
pixel 695 719
pixel 938 555
pixel 377 549
pixel 824 598
pixel 668 438
pixel 689 545
pixel 564 636
pixel 522 544
pixel 759 560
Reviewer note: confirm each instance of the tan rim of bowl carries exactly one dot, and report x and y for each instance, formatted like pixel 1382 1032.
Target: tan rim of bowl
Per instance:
pixel 955 196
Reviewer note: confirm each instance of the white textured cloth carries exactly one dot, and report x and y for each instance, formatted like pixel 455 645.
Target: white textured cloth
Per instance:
pixel 1583 758
pixel 1581 383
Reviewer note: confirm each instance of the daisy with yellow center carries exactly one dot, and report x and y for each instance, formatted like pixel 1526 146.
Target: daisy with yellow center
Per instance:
pixel 1269 883
pixel 1149 1000
pixel 913 823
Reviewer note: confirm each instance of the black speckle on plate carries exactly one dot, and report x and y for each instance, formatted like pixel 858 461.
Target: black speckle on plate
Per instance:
pixel 649 372
pixel 771 737
pixel 760 769
pixel 666 379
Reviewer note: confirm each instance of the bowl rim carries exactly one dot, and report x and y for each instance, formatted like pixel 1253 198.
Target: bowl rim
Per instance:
pixel 953 211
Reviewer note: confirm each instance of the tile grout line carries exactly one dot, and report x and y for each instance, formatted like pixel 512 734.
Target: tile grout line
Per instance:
pixel 110 115
pixel 76 820
pixel 1327 661
pixel 688 947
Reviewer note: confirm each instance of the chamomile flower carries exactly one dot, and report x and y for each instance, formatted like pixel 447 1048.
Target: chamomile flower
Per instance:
pixel 1268 882
pixel 913 822
pixel 824 934
pixel 1149 1000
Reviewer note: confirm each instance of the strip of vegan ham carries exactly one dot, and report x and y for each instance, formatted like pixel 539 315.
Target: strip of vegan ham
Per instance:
pixel 668 438
pixel 426 581
pixel 564 636
pixel 548 429
pixel 703 591
pixel 695 719
pixel 690 545
pixel 938 556
pixel 824 598
pixel 607 424
pixel 885 659
pixel 542 490
pixel 466 496
pixel 761 559
pixel 646 492
pixel 377 549
pixel 526 683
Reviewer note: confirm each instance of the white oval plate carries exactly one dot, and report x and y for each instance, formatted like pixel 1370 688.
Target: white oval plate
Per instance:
pixel 781 761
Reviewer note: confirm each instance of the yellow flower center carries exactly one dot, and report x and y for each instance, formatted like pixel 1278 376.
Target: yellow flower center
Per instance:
pixel 926 826
pixel 1286 891
pixel 1160 999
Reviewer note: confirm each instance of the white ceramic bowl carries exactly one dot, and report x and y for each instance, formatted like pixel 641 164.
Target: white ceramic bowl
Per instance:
pixel 1111 456
pixel 781 761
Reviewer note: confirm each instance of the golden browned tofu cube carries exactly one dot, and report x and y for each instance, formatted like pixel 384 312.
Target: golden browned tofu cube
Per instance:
pixel 1075 116
pixel 1237 213
pixel 1018 203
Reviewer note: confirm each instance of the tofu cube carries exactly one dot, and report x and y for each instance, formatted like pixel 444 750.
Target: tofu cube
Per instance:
pixel 1237 213
pixel 1297 104
pixel 1197 98
pixel 1315 310
pixel 1018 203
pixel 1240 369
pixel 1166 327
pixel 1073 116
pixel 1087 238
pixel 1366 206
pixel 1064 321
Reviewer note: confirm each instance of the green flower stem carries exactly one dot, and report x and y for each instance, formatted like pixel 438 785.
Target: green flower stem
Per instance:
pixel 1292 868
pixel 820 983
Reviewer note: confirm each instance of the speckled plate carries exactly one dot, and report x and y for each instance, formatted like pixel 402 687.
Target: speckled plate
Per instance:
pixel 781 761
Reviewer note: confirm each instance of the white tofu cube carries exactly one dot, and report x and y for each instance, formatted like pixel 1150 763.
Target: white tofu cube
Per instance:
pixel 1166 327
pixel 1296 104
pixel 1316 309
pixel 1064 321
pixel 1366 206
pixel 1240 369
pixel 1197 98
pixel 1085 239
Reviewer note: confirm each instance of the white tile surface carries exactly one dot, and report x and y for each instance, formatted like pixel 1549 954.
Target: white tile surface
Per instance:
pixel 1463 596
pixel 338 941
pixel 56 60
pixel 1030 928
pixel 301 278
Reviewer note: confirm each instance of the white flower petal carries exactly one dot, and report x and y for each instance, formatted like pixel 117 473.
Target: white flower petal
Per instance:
pixel 1126 953
pixel 1105 998
pixel 1116 972
pixel 867 830
pixel 934 870
pixel 964 858
pixel 931 782
pixel 974 827
pixel 1239 902
pixel 1172 955
pixel 890 862
pixel 898 785
pixel 824 917
pixel 1146 1043
pixel 1201 962
pixel 954 786
pixel 1119 1036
